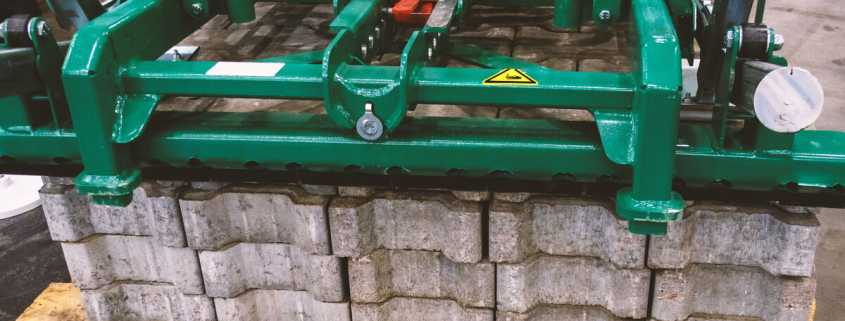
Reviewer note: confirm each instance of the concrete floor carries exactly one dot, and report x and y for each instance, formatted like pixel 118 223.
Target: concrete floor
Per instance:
pixel 813 31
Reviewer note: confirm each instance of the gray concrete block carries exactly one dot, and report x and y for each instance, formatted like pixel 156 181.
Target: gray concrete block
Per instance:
pixel 739 292
pixel 780 242
pixel 277 305
pixel 256 214
pixel 560 226
pixel 244 266
pixel 145 302
pixel 560 313
pixel 429 221
pixel 414 309
pixel 557 280
pixel 385 274
pixel 154 212
pixel 103 259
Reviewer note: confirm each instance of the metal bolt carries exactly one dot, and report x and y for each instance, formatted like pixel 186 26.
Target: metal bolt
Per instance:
pixel 604 15
pixel 371 41
pixel 43 28
pixel 729 39
pixel 377 31
pixel 364 51
pixel 370 127
pixel 779 41
pixel 430 54
pixel 197 9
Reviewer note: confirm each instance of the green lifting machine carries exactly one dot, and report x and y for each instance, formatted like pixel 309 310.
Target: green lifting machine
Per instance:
pixel 89 106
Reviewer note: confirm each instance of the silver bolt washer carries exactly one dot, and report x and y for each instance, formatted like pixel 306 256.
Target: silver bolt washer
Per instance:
pixel 604 15
pixel 369 127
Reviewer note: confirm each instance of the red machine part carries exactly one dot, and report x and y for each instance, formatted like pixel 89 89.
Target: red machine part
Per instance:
pixel 412 12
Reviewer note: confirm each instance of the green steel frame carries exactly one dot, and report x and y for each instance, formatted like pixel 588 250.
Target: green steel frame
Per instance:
pixel 113 84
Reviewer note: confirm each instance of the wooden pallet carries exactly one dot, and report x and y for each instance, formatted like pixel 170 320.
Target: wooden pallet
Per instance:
pixel 59 302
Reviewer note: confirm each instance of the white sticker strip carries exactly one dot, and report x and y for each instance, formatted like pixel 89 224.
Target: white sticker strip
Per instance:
pixel 248 69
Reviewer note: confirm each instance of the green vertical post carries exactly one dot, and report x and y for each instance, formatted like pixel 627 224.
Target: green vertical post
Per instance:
pixel 241 11
pixel 651 203
pixel 568 14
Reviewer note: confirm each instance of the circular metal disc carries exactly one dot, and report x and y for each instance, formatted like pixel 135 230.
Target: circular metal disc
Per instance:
pixel 788 100
pixel 18 194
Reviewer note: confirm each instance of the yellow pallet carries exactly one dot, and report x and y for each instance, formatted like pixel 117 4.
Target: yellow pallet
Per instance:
pixel 59 302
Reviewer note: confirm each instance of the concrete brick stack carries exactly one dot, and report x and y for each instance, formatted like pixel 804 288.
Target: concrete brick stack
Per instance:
pixel 265 253
pixel 262 252
pixel 727 263
pixel 414 255
pixel 130 263
pixel 565 259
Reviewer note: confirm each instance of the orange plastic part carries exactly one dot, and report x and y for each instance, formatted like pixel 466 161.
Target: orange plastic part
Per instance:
pixel 412 12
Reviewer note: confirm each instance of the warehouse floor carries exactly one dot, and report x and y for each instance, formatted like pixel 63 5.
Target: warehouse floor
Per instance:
pixel 813 31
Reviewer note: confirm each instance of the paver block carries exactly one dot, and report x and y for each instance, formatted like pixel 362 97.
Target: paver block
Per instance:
pixel 415 309
pixel 560 226
pixel 145 302
pixel 279 305
pixel 778 241
pixel 723 290
pixel 385 274
pixel 154 211
pixel 431 221
pixel 256 214
pixel 103 259
pixel 558 280
pixel 560 313
pixel 244 266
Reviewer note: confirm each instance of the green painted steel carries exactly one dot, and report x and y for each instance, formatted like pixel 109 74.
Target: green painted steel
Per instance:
pixel 113 84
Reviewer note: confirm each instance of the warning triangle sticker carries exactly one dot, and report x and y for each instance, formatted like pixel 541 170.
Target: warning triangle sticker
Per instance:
pixel 511 76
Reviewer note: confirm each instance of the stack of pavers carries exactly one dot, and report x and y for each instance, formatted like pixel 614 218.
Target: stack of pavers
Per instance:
pixel 262 252
pixel 211 251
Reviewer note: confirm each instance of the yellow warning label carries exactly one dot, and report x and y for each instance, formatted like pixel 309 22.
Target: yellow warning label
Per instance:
pixel 511 76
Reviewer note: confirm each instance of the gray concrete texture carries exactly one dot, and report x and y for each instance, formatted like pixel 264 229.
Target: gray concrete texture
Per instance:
pixel 104 259
pixel 579 281
pixel 780 242
pixel 285 214
pixel 385 274
pixel 432 221
pixel 702 289
pixel 416 309
pixel 279 305
pixel 568 227
pixel 267 266
pixel 146 302
pixel 153 212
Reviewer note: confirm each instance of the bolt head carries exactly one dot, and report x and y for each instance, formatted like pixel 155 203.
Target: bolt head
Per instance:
pixel 197 8
pixel 370 127
pixel 604 15
pixel 779 41
pixel 43 28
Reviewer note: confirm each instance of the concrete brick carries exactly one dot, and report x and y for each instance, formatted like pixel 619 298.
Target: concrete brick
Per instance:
pixel 275 305
pixel 154 212
pixel 560 313
pixel 244 266
pixel 104 259
pixel 145 302
pixel 414 309
pixel 422 274
pixel 431 221
pixel 256 214
pixel 780 242
pixel 723 290
pixel 557 280
pixel 560 226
